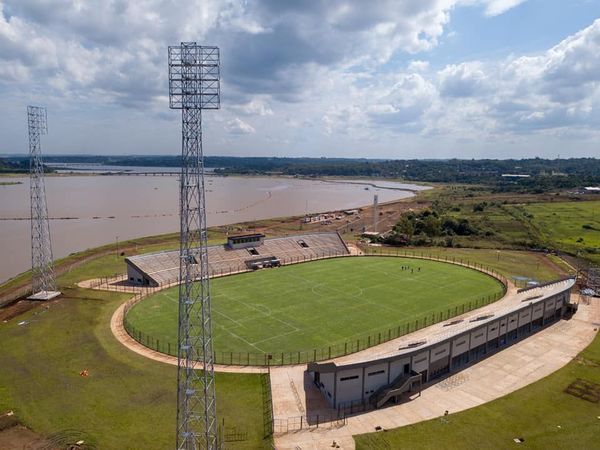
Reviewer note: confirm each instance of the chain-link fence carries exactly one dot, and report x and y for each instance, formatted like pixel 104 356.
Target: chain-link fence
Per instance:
pixel 334 350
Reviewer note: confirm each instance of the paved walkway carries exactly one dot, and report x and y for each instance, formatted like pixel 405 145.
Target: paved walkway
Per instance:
pixel 507 371
pixel 118 330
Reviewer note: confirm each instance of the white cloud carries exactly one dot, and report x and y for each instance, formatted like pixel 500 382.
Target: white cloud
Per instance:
pixel 462 80
pixel 418 66
pixel 298 61
pixel 237 126
pixel 497 7
pixel 254 107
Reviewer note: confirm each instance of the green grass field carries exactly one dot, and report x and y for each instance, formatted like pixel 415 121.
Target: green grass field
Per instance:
pixel 571 226
pixel 313 305
pixel 541 413
pixel 127 401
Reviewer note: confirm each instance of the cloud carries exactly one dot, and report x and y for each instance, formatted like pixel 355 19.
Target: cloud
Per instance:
pixel 497 7
pixel 238 127
pixel 462 80
pixel 323 68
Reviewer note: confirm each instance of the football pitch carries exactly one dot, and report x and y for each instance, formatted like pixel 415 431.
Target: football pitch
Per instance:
pixel 313 305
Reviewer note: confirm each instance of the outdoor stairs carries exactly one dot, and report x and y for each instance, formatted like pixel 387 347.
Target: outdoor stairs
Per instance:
pixel 396 388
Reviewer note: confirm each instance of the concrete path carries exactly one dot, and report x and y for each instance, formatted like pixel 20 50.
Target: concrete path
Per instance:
pixel 507 371
pixel 118 330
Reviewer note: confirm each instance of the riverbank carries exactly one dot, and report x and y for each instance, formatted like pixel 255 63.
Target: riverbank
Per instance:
pixel 93 210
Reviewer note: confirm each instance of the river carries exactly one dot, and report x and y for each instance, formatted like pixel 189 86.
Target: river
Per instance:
pixel 91 210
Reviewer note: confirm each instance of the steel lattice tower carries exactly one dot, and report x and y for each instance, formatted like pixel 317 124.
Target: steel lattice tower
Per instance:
pixel 194 86
pixel 593 279
pixel 375 212
pixel 43 283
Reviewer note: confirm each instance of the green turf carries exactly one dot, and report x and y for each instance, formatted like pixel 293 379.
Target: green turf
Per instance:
pixel 534 413
pixel 510 263
pixel 317 304
pixel 127 401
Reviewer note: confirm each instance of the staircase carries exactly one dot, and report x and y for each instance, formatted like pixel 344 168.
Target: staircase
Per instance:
pixel 396 388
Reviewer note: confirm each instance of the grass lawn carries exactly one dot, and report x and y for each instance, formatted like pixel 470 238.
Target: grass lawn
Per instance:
pixel 571 226
pixel 127 401
pixel 533 413
pixel 317 304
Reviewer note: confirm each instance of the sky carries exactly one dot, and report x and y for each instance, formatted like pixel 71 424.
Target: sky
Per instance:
pixel 378 79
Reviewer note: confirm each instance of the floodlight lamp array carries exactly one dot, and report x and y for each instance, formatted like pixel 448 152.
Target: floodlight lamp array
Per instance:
pixel 194 76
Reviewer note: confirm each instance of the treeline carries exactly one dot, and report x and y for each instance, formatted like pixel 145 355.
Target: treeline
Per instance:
pixel 17 166
pixel 430 227
pixel 537 175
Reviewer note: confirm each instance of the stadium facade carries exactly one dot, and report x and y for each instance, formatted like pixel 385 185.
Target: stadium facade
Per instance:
pixel 445 348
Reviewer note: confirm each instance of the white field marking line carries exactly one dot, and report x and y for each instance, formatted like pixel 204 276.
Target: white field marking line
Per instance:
pixel 225 328
pixel 242 339
pixel 174 300
pixel 294 328
pixel 342 293
pixel 423 313
pixel 277 336
pixel 318 285
pixel 227 317
pixel 268 310
pixel 367 301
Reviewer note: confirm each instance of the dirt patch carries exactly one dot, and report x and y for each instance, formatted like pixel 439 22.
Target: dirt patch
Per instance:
pixel 585 390
pixel 16 309
pixel 551 265
pixel 14 436
pixel 19 437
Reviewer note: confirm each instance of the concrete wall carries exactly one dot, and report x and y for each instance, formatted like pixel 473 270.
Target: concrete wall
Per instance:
pixel 135 276
pixel 349 386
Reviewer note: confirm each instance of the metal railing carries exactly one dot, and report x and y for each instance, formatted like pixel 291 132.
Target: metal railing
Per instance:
pixel 307 422
pixel 330 351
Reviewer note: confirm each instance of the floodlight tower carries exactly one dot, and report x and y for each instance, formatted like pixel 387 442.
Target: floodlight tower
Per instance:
pixel 194 86
pixel 375 212
pixel 593 279
pixel 42 281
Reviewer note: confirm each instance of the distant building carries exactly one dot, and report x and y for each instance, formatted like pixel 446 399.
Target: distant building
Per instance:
pixel 592 189
pixel 245 241
pixel 515 175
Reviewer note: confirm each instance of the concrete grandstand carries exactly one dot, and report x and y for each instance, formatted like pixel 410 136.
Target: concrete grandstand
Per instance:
pixel 240 253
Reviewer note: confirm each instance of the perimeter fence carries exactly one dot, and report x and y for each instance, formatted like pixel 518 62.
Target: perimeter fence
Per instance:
pixel 335 350
pixel 307 422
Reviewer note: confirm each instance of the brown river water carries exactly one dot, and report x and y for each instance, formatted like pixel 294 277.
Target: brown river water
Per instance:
pixel 88 211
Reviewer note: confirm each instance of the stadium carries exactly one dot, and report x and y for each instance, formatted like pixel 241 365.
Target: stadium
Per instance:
pixel 366 330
